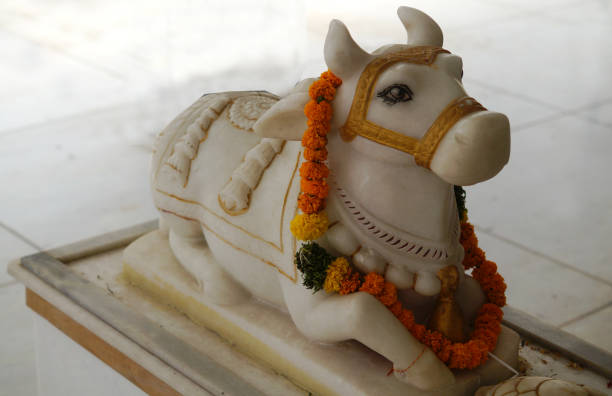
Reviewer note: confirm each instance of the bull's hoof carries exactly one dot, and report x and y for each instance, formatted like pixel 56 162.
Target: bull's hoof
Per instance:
pixel 427 372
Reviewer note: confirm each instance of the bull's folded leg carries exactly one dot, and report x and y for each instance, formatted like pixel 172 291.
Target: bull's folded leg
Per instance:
pixel 360 316
pixel 195 257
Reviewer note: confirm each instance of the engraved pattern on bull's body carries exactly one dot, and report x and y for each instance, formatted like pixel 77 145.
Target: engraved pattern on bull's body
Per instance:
pixel 402 243
pixel 235 196
pixel 186 147
pixel 246 110
pixel 247 252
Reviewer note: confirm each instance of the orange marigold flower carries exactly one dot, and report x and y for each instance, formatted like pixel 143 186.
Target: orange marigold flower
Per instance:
pixel 488 336
pixel 474 256
pixel 491 310
pixel 485 270
pixel 445 353
pixel 310 204
pixel 436 341
pixel 321 112
pixel 388 296
pixel 322 90
pixel 479 351
pixel 497 298
pixel 493 286
pixel 373 283
pixel 407 318
pixel 467 232
pixel 321 128
pixel 350 284
pixel 419 331
pixel 488 322
pixel 311 139
pixel 332 78
pixel 318 188
pixel 313 170
pixel 461 356
pixel 318 155
pixel 396 308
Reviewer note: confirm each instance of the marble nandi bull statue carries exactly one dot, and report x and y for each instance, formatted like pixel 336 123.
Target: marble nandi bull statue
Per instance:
pixel 403 133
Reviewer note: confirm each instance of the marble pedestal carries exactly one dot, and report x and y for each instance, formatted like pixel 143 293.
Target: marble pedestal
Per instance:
pixel 267 334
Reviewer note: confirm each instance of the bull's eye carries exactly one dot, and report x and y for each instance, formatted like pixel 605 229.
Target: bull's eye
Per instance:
pixel 395 93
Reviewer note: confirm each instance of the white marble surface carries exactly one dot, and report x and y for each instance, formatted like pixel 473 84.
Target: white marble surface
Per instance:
pixel 537 61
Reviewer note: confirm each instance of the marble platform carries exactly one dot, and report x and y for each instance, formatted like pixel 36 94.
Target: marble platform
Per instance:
pixel 81 291
pixel 265 333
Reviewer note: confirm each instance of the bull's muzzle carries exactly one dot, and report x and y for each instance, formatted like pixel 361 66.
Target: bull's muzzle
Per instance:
pixel 475 149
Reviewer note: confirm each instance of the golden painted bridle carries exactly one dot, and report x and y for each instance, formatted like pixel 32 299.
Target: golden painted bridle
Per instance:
pixel 422 149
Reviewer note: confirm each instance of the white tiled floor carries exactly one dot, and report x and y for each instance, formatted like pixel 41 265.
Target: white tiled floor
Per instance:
pixel 11 247
pixel 86 85
pixel 552 198
pixel 17 350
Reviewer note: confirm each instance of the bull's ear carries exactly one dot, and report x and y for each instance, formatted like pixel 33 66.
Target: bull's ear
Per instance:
pixel 286 119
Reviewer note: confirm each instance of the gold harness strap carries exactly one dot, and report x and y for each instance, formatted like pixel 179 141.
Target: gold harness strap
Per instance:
pixel 422 149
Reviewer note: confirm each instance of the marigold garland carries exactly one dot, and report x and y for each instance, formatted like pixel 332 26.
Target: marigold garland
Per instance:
pixel 335 275
pixel 309 225
pixel 341 278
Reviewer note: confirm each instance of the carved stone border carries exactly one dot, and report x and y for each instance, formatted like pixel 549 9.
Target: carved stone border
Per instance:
pixel 51 267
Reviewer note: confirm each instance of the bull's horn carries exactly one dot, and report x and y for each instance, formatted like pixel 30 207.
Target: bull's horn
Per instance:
pixel 421 29
pixel 342 55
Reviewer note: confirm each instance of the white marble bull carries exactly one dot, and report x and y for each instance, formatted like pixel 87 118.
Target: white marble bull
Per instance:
pixel 224 179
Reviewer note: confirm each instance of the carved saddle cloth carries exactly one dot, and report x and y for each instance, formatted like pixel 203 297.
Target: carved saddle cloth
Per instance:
pixel 209 167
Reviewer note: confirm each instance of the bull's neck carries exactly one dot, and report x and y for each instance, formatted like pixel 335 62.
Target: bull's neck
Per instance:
pixel 408 198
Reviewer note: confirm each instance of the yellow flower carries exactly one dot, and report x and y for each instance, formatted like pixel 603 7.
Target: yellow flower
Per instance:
pixel 336 272
pixel 308 227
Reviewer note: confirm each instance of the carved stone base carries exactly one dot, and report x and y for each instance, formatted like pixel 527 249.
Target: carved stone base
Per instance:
pixel 268 334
